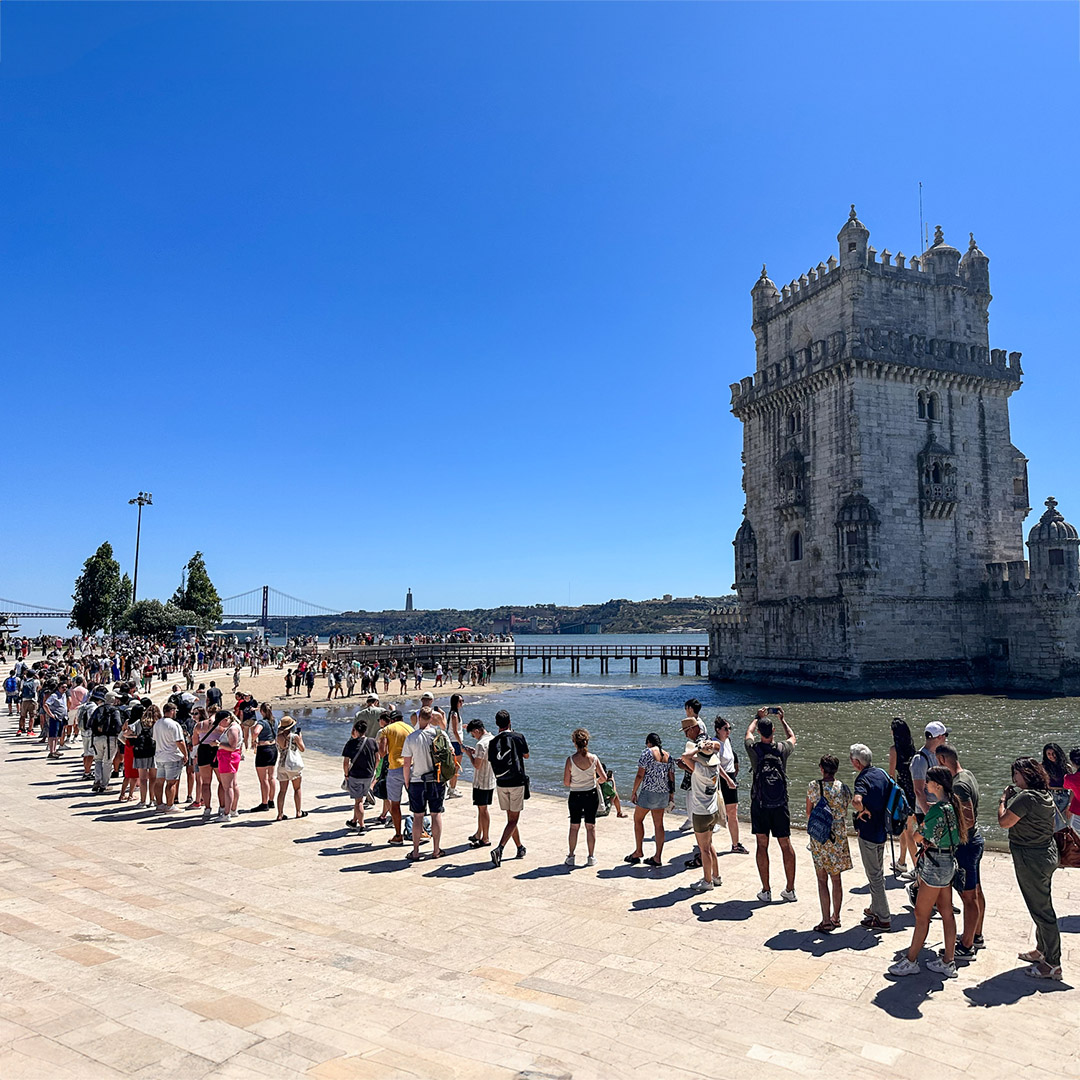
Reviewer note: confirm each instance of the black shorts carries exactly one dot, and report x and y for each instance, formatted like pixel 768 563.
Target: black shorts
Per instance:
pixel 265 756
pixel 426 797
pixel 583 804
pixel 206 755
pixel 731 794
pixel 770 821
pixel 482 796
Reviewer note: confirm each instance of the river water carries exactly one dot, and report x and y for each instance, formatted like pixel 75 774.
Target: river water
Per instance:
pixel 619 709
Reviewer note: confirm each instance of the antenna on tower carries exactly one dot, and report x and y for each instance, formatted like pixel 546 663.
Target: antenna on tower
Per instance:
pixel 922 227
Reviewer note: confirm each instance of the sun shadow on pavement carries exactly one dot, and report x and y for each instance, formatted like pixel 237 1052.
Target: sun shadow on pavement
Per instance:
pixel 1009 987
pixel 725 910
pixel 855 939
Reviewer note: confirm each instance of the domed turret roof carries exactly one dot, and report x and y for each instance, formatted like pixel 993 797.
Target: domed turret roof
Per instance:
pixel 939 246
pixel 765 283
pixel 1052 528
pixel 745 535
pixel 853 223
pixel 973 253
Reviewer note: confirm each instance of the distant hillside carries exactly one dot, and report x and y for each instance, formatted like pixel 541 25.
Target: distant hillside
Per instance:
pixel 613 617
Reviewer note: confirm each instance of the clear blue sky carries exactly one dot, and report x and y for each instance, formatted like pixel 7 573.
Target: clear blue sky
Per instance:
pixel 449 296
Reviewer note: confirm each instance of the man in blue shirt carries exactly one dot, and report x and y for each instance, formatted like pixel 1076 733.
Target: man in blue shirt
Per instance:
pixel 871 792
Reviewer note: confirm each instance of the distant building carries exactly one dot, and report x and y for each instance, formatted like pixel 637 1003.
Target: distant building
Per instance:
pixel 408 601
pixel 881 546
pixel 667 598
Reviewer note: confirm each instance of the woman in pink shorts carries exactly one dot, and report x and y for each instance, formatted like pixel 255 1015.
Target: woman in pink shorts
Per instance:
pixel 228 736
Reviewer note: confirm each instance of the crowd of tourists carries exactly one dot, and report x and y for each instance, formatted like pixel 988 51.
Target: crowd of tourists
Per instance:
pixel 457 637
pixel 924 807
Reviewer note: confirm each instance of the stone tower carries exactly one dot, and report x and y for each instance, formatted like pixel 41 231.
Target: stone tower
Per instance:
pixel 881 483
pixel 408 600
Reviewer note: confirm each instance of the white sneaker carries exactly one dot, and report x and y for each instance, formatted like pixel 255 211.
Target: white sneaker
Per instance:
pixel 590 861
pixel 716 880
pixel 704 885
pixel 765 896
pixel 569 861
pixel 942 967
pixel 904 967
pixel 789 895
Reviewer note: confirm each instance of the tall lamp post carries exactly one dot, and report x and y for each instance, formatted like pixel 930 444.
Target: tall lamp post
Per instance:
pixel 144 498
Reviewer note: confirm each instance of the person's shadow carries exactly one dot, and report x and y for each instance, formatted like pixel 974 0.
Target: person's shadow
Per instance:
pixel 1009 987
pixel 854 939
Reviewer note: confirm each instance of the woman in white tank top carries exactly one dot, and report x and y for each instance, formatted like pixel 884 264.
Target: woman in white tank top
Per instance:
pixel 582 775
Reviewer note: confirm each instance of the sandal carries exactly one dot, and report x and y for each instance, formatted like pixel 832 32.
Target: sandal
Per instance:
pixel 480 843
pixel 652 860
pixel 413 856
pixel 1043 970
pixel 1032 957
pixel 396 843
pixel 439 854
pixel 824 927
pixel 633 860
pixel 282 817
pixel 303 813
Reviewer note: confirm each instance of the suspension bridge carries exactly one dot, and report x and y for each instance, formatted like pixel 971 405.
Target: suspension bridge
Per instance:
pixel 263 604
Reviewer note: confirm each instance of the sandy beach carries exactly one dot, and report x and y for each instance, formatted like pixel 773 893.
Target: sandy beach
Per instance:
pixel 269 686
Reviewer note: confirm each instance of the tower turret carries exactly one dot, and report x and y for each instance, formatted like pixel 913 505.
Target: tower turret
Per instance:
pixel 1054 553
pixel 763 295
pixel 975 268
pixel 941 259
pixel 853 239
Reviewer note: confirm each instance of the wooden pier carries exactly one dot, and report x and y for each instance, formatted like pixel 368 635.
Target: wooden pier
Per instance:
pixel 453 654
pixel 698 655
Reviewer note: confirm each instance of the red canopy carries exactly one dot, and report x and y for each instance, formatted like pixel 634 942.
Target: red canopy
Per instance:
pixel 462 630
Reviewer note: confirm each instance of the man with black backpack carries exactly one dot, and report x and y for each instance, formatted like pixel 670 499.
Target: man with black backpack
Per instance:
pixel 872 787
pixel 769 811
pixel 105 724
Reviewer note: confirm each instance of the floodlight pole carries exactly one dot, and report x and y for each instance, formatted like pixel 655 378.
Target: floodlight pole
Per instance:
pixel 144 498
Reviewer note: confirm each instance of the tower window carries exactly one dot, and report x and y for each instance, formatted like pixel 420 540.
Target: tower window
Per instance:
pixel 935 473
pixel 1019 487
pixel 933 407
pixel 1056 557
pixel 920 404
pixel 794 422
pixel 795 547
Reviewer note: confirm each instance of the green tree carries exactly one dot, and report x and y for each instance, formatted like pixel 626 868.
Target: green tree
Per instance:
pixel 123 599
pixel 153 619
pixel 98 595
pixel 198 594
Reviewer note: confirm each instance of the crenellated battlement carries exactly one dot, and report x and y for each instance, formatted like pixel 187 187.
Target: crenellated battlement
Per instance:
pixel 947 360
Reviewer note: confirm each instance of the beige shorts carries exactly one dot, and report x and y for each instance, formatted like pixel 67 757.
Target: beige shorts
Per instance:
pixel 512 799
pixel 285 775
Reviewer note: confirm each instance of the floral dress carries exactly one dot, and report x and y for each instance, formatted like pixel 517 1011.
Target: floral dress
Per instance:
pixel 834 856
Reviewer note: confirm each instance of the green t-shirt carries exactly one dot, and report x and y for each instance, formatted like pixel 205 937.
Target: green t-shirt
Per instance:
pixel 1035 809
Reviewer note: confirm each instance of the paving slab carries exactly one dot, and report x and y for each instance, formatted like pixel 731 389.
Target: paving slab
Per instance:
pixel 139 947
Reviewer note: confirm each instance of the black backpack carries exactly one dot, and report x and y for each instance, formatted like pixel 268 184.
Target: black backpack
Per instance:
pixel 105 722
pixel 769 789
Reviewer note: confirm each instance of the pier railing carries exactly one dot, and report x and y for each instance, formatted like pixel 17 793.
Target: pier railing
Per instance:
pixel 453 654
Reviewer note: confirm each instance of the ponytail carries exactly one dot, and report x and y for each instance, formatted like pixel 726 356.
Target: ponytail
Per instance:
pixel 961 825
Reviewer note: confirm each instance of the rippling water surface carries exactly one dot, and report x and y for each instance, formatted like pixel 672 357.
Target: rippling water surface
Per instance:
pixel 619 709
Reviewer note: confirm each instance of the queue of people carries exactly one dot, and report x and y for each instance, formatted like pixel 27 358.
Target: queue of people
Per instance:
pixel 926 802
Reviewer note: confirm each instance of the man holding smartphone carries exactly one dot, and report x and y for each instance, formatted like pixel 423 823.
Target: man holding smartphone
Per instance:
pixel 769 811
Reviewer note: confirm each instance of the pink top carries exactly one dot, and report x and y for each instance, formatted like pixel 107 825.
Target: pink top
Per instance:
pixel 1072 783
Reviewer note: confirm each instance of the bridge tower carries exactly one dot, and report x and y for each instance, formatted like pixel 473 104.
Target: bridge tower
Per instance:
pixel 266 609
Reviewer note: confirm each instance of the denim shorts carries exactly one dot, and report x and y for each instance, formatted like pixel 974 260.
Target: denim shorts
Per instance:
pixel 653 800
pixel 937 869
pixel 968 857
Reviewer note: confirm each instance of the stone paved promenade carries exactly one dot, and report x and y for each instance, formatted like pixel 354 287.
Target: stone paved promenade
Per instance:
pixel 139 947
